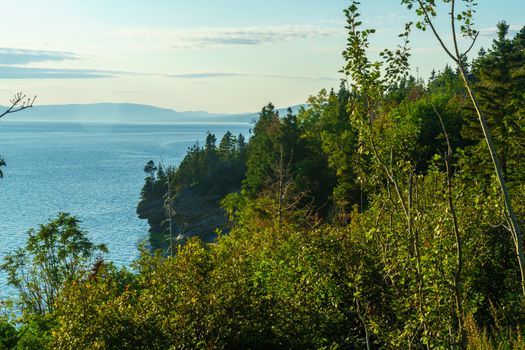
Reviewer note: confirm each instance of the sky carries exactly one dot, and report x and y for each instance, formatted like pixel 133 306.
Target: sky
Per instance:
pixel 222 56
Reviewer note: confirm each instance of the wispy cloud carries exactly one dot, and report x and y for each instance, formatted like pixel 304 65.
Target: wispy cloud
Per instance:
pixel 15 63
pixel 18 72
pixel 9 56
pixel 24 72
pixel 492 32
pixel 204 75
pixel 207 75
pixel 215 37
pixel 132 92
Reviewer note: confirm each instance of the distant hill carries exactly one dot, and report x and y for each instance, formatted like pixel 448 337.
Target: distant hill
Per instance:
pixel 128 113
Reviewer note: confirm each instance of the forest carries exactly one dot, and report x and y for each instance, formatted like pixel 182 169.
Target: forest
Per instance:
pixel 386 214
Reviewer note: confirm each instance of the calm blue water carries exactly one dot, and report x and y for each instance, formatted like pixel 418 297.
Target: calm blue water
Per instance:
pixel 93 171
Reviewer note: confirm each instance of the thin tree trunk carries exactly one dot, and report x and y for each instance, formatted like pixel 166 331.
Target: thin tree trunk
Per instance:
pixel 459 243
pixel 170 218
pixel 513 221
pixel 457 57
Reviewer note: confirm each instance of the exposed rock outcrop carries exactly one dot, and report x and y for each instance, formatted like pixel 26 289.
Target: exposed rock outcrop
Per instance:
pixel 194 214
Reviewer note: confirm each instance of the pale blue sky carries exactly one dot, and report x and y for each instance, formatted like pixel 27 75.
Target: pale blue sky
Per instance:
pixel 220 56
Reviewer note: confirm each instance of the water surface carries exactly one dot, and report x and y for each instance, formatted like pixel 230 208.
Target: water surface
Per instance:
pixel 93 171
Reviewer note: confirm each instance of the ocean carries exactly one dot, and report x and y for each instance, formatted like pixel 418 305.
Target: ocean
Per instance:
pixel 93 171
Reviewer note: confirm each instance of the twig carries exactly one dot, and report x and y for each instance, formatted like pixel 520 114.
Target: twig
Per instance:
pixel 16 106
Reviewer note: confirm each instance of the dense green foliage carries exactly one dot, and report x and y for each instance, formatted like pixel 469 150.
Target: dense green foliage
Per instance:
pixel 500 77
pixel 211 168
pixel 217 169
pixel 185 200
pixel 54 254
pixel 371 218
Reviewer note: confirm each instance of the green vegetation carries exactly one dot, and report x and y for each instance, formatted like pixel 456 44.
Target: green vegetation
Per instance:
pixel 57 254
pixel 373 218
pixel 183 202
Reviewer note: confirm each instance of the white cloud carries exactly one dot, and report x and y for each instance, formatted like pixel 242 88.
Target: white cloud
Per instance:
pixel 208 75
pixel 10 56
pixel 23 72
pixel 200 38
pixel 492 32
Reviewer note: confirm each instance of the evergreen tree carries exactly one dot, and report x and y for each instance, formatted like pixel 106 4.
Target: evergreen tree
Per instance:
pixel 227 146
pixel 150 168
pixel 501 86
pixel 210 142
pixel 263 150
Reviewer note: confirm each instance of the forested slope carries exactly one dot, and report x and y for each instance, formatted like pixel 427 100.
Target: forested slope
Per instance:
pixel 371 218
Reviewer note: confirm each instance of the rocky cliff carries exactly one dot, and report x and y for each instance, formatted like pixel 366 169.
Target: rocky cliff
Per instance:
pixel 194 214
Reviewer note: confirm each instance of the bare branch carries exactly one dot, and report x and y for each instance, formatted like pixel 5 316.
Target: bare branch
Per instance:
pixel 449 148
pixel 471 45
pixel 429 21
pixel 459 55
pixel 19 103
pixel 453 26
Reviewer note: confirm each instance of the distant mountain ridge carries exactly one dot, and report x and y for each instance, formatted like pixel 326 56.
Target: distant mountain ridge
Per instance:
pixel 129 113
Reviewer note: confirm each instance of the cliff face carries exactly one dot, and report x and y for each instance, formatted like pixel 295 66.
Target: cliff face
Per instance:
pixel 200 181
pixel 198 214
pixel 152 210
pixel 194 214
